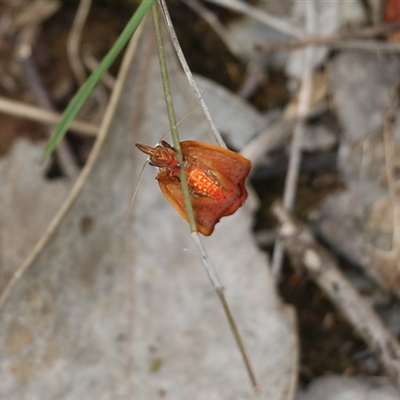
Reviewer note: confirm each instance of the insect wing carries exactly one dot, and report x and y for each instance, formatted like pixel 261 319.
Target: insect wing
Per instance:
pixel 207 211
pixel 228 165
pixel 230 170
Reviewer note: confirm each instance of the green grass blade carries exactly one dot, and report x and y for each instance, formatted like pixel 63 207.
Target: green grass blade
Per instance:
pixel 84 92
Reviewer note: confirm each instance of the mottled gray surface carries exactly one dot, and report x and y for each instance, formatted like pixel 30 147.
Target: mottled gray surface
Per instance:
pixel 106 312
pixel 347 388
pixel 363 88
pixel 361 84
pixel 28 202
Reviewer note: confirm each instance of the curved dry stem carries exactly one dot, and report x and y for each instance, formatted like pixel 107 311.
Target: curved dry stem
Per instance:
pixel 219 289
pixel 335 40
pixel 215 24
pixel 74 40
pixel 172 119
pixel 37 114
pixel 260 15
pixel 188 73
pixel 82 177
pixel 306 253
pixel 91 64
pixel 33 80
pixel 295 149
pixel 212 274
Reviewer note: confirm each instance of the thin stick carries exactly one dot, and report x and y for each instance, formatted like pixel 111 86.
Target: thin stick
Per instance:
pixel 145 164
pixel 65 158
pixel 260 15
pixel 87 88
pixel 172 119
pixel 91 64
pixel 390 167
pixel 81 180
pixel 215 24
pixel 37 114
pixel 189 74
pixel 32 13
pixel 335 40
pixel 134 194
pixel 367 45
pixel 306 253
pixel 212 274
pixel 74 41
pixel 275 134
pixel 295 150
pixel 255 77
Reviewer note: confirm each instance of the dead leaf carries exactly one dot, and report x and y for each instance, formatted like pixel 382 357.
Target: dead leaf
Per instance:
pixel 109 312
pixel 344 388
pixel 363 154
pixel 28 203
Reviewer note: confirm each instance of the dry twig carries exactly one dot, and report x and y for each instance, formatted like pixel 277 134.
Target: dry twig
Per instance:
pixel 33 13
pixel 367 45
pixel 305 252
pixel 81 180
pixel 188 72
pixel 74 41
pixel 276 134
pixel 382 232
pixel 295 150
pixel 37 114
pixel 260 15
pixel 216 24
pixel 28 35
pixel 91 64
pixel 255 76
pixel 336 40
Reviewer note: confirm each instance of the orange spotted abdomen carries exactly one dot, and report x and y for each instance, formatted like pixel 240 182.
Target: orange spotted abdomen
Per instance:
pixel 203 184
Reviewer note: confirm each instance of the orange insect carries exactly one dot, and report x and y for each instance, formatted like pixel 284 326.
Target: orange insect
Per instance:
pixel 215 178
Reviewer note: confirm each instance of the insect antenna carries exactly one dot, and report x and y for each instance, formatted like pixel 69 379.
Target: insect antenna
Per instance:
pixel 186 114
pixel 147 161
pixel 134 193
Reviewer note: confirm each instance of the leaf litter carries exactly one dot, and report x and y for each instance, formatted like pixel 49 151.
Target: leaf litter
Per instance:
pixel 340 219
pixel 101 305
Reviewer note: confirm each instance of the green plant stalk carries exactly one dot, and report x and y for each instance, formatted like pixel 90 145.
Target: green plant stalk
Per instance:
pixel 172 119
pixel 188 203
pixel 84 92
